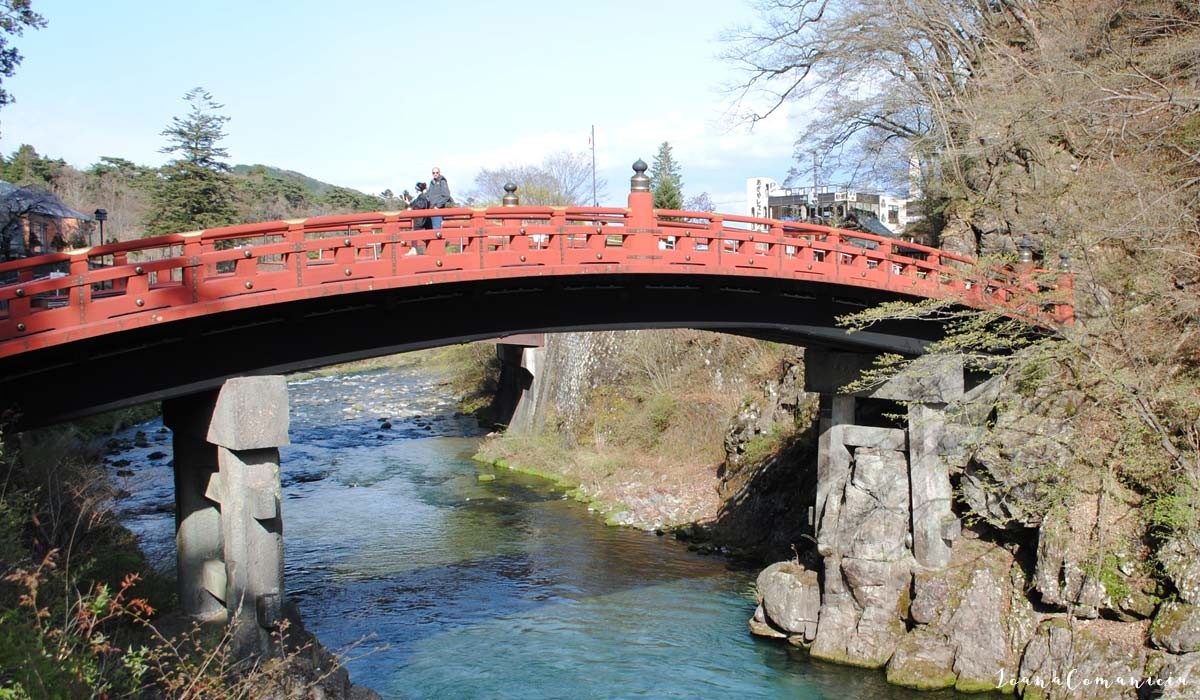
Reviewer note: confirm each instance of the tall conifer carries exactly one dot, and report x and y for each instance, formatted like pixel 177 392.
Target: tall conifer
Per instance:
pixel 194 190
pixel 666 181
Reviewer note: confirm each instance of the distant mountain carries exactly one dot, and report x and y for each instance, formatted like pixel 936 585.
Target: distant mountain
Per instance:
pixel 310 185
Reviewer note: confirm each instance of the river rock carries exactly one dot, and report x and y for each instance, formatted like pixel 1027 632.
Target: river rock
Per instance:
pixel 931 591
pixel 308 671
pixel 1174 677
pixel 1176 628
pixel 1061 662
pixel 868 568
pixel 976 606
pixel 791 598
pixel 924 660
pixel 1180 559
pixel 1058 576
pixel 987 631
pixel 762 627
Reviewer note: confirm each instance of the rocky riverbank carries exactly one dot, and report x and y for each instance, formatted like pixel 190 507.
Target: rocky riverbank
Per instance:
pixel 673 430
pixel 1048 592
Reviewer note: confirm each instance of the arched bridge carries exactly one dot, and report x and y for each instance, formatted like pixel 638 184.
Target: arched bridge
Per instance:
pixel 114 324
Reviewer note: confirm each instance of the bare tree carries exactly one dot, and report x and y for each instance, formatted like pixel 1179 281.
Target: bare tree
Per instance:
pixel 563 179
pixel 889 76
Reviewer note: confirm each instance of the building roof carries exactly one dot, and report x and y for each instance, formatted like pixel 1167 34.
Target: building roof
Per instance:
pixel 32 200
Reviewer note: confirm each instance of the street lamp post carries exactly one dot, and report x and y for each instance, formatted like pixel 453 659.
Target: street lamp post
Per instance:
pixel 101 215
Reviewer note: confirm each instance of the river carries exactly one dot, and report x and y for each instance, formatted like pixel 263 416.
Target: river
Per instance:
pixel 443 585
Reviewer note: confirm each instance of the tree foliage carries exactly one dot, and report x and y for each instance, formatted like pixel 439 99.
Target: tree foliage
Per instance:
pixel 562 179
pixel 666 179
pixel 664 166
pixel 15 17
pixel 667 194
pixel 26 167
pixel 194 190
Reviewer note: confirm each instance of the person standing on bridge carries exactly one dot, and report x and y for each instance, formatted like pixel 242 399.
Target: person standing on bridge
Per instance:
pixel 439 194
pixel 421 202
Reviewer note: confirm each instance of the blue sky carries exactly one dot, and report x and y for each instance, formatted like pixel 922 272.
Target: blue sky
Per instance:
pixel 371 94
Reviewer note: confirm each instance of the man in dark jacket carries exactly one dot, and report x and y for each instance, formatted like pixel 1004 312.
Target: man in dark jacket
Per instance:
pixel 439 194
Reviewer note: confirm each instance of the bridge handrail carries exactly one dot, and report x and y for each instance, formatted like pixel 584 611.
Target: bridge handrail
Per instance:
pixel 124 278
pixel 666 220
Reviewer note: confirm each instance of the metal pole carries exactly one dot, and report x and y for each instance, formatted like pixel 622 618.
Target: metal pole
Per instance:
pixel 593 142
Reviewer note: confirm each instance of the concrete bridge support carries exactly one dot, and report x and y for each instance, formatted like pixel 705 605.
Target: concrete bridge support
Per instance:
pixel 926 387
pixel 229 535
pixel 521 358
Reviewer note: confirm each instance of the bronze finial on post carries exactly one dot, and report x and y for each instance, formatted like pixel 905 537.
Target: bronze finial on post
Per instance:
pixel 510 195
pixel 1025 251
pixel 640 182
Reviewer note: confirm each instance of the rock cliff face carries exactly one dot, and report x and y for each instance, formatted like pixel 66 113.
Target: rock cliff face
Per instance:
pixel 1044 603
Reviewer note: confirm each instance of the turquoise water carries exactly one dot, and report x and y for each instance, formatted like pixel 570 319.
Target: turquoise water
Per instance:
pixel 437 585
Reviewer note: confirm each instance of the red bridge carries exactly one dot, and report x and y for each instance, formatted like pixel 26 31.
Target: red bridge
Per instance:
pixel 115 324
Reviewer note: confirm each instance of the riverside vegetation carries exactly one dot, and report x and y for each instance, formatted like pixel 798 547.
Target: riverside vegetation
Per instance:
pixel 82 613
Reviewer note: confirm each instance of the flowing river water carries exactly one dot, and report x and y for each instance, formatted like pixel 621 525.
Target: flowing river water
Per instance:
pixel 455 587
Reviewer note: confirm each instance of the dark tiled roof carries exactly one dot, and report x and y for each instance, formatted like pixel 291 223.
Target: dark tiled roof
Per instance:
pixel 31 200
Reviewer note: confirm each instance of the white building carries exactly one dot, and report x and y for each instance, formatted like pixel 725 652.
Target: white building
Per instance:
pixel 758 193
pixel 875 212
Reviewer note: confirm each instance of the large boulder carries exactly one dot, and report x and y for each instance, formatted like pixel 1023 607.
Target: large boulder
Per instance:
pixel 1009 478
pixel 1180 559
pixel 975 607
pixel 1059 576
pixel 1070 661
pixel 987 629
pixel 1176 628
pixel 790 597
pixel 931 591
pixel 1173 677
pixel 924 660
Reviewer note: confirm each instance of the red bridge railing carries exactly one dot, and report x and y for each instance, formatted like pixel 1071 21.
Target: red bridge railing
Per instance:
pixel 64 297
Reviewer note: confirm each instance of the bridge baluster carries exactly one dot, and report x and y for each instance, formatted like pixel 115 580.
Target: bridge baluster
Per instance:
pixel 345 254
pixel 558 229
pixel 716 231
pixel 80 294
pixel 1064 310
pixel 119 258
pixel 834 241
pixel 20 307
pixel 193 271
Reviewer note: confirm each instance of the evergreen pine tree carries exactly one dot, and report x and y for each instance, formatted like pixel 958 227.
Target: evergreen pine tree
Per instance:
pixel 666 181
pixel 195 190
pixel 667 194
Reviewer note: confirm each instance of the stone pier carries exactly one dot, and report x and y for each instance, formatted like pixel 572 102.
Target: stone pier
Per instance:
pixel 925 387
pixel 882 505
pixel 229 526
